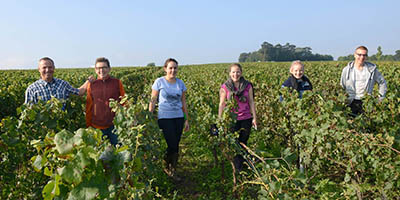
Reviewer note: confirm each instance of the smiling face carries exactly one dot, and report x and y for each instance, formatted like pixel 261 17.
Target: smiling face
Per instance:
pixel 46 69
pixel 171 70
pixel 102 70
pixel 235 73
pixel 297 70
pixel 360 56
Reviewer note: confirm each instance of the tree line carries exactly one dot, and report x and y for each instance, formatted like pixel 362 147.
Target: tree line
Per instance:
pixel 287 52
pixel 376 57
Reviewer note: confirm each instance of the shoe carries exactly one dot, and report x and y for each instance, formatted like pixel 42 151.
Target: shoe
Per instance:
pixel 172 174
pixel 238 163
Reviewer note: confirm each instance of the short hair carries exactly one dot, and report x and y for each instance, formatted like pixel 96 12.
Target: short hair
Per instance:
pixel 102 59
pixel 170 60
pixel 362 47
pixel 47 59
pixel 233 65
pixel 296 62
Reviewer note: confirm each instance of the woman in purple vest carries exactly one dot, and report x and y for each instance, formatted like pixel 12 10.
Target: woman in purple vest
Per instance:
pixel 241 90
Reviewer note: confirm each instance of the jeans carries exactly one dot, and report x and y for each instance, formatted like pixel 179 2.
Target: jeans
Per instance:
pixel 108 132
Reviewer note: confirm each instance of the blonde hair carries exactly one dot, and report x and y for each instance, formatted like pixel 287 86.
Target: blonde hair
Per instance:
pixel 296 62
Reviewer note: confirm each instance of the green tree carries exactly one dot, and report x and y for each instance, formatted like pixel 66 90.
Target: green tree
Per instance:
pixel 243 57
pixel 152 64
pixel 397 55
pixel 379 53
pixel 346 58
pixel 278 52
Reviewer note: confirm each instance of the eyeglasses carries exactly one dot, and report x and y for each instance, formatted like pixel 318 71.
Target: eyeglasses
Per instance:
pixel 359 55
pixel 103 68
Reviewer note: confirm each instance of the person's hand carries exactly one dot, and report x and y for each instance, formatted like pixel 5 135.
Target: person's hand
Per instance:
pixel 254 122
pixel 91 78
pixel 186 126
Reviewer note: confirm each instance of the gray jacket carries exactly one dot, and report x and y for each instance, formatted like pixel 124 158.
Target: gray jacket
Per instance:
pixel 348 83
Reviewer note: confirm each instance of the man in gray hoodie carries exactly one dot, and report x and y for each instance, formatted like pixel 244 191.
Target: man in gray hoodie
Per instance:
pixel 359 77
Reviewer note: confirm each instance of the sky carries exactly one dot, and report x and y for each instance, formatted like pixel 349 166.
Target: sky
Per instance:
pixel 134 33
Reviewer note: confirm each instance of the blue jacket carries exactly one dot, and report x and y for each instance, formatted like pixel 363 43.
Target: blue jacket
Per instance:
pixel 300 85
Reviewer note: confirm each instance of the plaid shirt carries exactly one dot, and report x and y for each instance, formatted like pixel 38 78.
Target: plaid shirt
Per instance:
pixel 42 90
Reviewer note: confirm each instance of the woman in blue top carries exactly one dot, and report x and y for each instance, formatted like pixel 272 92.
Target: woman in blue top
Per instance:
pixel 170 91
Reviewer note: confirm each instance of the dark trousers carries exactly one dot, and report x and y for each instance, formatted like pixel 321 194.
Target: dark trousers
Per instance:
pixel 356 107
pixel 245 127
pixel 109 133
pixel 172 130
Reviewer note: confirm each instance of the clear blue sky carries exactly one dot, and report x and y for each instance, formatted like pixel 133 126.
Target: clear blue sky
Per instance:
pixel 135 33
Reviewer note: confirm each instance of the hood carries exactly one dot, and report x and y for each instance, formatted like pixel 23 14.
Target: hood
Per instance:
pixel 370 67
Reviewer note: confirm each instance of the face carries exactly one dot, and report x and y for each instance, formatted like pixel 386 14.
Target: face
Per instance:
pixel 46 69
pixel 171 69
pixel 235 73
pixel 297 70
pixel 102 70
pixel 360 56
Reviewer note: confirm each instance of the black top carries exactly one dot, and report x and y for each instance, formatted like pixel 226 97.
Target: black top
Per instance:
pixel 298 84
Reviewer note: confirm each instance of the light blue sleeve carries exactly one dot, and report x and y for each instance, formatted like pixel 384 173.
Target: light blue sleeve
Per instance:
pixel 156 85
pixel 183 86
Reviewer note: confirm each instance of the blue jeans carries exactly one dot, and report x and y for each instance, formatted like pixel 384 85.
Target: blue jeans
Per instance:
pixel 108 132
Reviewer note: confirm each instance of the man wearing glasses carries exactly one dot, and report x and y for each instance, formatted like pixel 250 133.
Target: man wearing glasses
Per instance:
pixel 359 77
pixel 99 93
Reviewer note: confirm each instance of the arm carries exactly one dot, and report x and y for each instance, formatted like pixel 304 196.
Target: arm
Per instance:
pixel 184 108
pixel 343 78
pixel 83 88
pixel 121 89
pixel 121 92
pixel 28 96
pixel 89 105
pixel 382 84
pixel 153 100
pixel 252 107
pixel 222 97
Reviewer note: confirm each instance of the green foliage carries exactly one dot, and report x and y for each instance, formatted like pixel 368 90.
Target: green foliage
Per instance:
pixel 46 154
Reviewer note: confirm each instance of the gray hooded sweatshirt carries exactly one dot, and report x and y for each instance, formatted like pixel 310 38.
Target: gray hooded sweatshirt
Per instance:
pixel 347 80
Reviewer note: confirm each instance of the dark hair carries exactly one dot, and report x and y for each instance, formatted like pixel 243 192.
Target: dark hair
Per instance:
pixel 362 47
pixel 235 64
pixel 102 59
pixel 47 59
pixel 170 60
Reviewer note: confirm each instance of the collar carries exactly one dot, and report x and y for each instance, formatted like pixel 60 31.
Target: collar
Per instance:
pixel 105 79
pixel 43 82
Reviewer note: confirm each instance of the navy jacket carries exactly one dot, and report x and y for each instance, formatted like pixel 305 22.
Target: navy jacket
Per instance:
pixel 300 85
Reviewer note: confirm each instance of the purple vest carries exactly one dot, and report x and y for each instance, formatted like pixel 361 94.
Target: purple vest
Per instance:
pixel 243 112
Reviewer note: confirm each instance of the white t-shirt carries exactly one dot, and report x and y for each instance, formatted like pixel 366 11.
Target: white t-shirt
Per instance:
pixel 361 77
